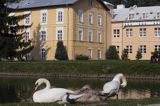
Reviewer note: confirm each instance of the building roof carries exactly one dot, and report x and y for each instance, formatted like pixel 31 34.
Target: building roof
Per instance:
pixel 25 4
pixel 122 14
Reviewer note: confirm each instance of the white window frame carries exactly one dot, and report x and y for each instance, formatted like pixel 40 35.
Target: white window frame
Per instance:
pixel 26 35
pixel 27 20
pixel 46 16
pixel 90 35
pixel 59 34
pixel 129 32
pixel 60 17
pixel 90 53
pixel 157 32
pixel 80 16
pixel 116 33
pixel 156 47
pixel 80 37
pixel 99 20
pixel 129 48
pixel 99 36
pixel 90 17
pixel 41 38
pixel 43 53
pixel 99 53
pixel 143 49
pixel 142 32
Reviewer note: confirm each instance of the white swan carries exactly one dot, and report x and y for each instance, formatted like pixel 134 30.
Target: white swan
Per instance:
pixel 49 94
pixel 112 88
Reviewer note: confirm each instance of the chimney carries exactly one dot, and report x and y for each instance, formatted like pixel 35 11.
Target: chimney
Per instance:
pixel 120 6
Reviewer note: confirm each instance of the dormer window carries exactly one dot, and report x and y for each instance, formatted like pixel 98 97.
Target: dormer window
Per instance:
pixel 158 15
pixel 145 15
pixel 131 16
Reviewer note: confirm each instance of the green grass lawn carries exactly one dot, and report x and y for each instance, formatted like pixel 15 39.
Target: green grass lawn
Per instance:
pixel 83 67
pixel 109 103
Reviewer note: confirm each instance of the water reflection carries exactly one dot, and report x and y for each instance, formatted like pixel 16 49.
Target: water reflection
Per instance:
pixel 21 89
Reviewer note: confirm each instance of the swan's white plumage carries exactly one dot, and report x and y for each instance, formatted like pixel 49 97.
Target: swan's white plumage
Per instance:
pixel 112 87
pixel 49 94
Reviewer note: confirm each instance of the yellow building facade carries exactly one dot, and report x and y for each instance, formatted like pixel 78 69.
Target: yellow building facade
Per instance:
pixel 80 24
pixel 136 28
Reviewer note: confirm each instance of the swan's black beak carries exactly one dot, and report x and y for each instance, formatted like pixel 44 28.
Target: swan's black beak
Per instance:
pixel 36 87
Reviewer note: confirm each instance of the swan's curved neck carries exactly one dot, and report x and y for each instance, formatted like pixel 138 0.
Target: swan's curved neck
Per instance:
pixel 119 78
pixel 48 85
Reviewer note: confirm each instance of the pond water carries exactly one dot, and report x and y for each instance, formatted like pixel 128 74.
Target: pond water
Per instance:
pixel 21 89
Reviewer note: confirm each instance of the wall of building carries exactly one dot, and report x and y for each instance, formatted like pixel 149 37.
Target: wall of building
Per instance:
pixel 81 47
pixel 150 40
pixel 70 30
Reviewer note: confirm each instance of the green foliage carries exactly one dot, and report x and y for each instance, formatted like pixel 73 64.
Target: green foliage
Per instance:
pixel 112 53
pixel 82 57
pixel 61 52
pixel 138 55
pixel 124 54
pixel 12 45
pixel 83 67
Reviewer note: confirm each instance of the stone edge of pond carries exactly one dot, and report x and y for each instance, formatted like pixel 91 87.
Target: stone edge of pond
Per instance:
pixel 76 76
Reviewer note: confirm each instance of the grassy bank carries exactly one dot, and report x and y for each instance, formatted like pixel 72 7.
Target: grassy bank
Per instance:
pixel 83 67
pixel 109 103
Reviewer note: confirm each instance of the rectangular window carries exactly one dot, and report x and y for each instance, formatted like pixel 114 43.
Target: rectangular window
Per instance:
pixel 142 32
pixel 43 35
pixel 44 16
pixel 90 51
pixel 59 33
pixel 131 16
pixel 129 32
pixel 129 48
pixel 90 35
pixel 157 32
pixel 90 18
pixel 27 19
pixel 158 15
pixel 43 53
pixel 59 15
pixel 80 16
pixel 80 34
pixel 116 33
pixel 143 48
pixel 99 36
pixel 26 35
pixel 145 15
pixel 99 54
pixel 157 48
pixel 99 20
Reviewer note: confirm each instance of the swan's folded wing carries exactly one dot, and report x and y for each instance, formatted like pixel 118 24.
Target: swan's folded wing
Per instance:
pixel 72 96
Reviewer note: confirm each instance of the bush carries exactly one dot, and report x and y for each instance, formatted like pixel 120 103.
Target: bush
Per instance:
pixel 124 54
pixel 82 57
pixel 61 52
pixel 138 55
pixel 112 53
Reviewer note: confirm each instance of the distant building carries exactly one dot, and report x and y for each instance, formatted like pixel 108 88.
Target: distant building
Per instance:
pixel 83 26
pixel 136 28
